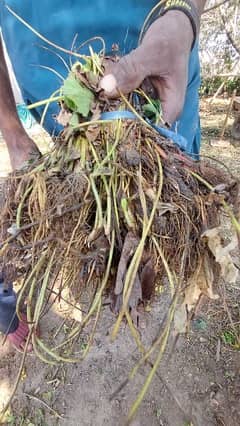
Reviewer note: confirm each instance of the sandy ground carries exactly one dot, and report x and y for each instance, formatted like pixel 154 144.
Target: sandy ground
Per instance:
pixel 198 383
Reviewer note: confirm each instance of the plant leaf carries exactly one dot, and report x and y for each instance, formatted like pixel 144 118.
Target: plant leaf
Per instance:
pixel 152 110
pixel 77 97
pixel 74 120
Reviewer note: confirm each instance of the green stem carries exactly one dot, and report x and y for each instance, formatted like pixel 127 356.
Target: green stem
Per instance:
pixel 134 265
pixel 43 290
pixel 19 210
pixel 28 279
pixel 45 102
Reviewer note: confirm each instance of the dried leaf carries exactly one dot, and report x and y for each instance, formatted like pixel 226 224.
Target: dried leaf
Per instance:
pixel 136 294
pixel 201 283
pixel 64 117
pixel 129 247
pixel 222 254
pixel 73 154
pixel 92 132
pixel 148 277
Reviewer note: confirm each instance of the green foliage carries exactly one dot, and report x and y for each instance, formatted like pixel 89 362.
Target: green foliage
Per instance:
pixel 210 85
pixel 74 120
pixel 77 97
pixel 152 110
pixel 230 339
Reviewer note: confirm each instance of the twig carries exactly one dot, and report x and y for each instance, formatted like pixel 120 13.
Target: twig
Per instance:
pixel 218 350
pixel 66 301
pixel 227 114
pixel 19 374
pixel 175 399
pixel 216 6
pixel 164 384
pixel 229 36
pixel 60 416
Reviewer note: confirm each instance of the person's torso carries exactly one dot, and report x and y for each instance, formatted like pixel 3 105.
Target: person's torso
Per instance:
pixel 62 22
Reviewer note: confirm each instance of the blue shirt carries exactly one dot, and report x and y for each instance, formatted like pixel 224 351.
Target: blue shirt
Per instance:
pixel 118 22
pixel 59 21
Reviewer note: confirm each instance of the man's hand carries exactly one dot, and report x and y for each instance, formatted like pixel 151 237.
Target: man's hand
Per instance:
pixel 163 55
pixel 20 147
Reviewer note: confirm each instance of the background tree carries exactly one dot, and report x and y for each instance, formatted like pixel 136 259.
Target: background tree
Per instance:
pixel 220 38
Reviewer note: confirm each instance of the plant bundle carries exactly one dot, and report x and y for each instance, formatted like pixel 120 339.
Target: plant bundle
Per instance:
pixel 113 209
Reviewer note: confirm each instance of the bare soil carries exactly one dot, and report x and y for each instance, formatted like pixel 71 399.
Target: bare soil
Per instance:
pixel 198 382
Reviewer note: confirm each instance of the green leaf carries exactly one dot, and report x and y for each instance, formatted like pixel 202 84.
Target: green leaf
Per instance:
pixel 74 120
pixel 77 97
pixel 152 110
pixel 229 338
pixel 149 110
pixel 87 66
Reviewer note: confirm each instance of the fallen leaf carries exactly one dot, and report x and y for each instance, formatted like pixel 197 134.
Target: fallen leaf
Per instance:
pixel 148 277
pixel 136 295
pixel 129 247
pixel 229 272
pixel 64 117
pixel 201 283
pixel 92 132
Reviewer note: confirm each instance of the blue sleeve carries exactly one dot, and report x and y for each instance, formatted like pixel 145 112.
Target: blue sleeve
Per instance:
pixel 188 124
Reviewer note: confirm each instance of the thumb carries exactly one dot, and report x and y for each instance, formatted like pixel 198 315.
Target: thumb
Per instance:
pixel 125 75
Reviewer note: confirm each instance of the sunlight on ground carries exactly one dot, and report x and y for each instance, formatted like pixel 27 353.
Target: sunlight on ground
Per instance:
pixel 66 307
pixel 41 138
pixel 4 393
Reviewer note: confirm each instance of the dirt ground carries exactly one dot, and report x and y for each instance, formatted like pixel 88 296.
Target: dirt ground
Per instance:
pixel 198 382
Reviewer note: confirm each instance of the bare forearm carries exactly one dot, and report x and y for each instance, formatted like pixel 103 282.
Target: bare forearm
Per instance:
pixel 9 121
pixel 20 146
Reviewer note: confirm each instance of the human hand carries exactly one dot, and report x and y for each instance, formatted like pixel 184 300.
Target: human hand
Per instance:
pixel 163 55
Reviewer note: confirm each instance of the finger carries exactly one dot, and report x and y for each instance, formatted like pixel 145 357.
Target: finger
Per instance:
pixel 172 92
pixel 126 75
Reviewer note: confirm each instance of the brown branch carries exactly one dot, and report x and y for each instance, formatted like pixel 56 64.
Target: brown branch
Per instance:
pixel 216 6
pixel 229 36
pixel 30 396
pixel 227 114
